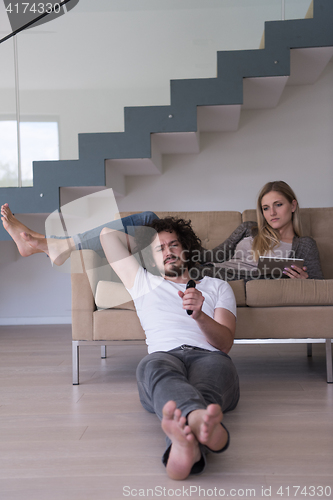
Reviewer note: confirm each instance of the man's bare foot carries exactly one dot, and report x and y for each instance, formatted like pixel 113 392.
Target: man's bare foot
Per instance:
pixel 15 228
pixel 57 249
pixel 184 452
pixel 207 428
pixel 29 242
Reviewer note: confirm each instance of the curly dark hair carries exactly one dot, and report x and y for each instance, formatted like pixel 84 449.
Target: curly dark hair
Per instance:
pixel 189 241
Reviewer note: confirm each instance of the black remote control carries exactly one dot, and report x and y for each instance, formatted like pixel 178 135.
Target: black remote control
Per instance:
pixel 190 284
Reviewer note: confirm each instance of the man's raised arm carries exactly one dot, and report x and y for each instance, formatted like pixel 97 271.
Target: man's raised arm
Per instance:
pixel 117 247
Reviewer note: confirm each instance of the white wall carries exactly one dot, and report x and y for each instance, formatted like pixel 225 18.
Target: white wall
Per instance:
pixel 292 142
pixel 31 291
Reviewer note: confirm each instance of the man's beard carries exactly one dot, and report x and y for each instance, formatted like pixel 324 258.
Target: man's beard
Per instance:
pixel 174 271
pixel 177 269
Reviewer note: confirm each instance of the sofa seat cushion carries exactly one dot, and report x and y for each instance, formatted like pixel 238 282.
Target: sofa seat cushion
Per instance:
pixel 289 292
pixel 110 294
pixel 238 287
pixel 117 324
pixel 114 295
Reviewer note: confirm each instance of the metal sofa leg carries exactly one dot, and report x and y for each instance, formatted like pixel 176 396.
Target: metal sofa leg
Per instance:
pixel 309 350
pixel 103 351
pixel 75 361
pixel 329 367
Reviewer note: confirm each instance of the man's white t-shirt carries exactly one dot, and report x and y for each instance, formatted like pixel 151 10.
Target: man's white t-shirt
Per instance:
pixel 160 310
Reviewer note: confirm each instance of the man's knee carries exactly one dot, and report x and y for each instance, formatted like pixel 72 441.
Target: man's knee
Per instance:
pixel 214 369
pixel 156 363
pixel 149 364
pixel 224 367
pixel 149 217
pixel 141 367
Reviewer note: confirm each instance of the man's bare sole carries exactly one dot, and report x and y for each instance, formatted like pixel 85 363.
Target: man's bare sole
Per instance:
pixel 207 428
pixel 29 242
pixel 184 452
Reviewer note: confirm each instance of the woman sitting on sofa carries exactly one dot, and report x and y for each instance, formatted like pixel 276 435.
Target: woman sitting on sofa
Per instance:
pixel 277 233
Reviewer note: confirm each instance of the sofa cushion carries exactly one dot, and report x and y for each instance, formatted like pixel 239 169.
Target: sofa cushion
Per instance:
pixel 238 287
pixel 249 215
pixel 117 324
pixel 289 292
pixel 318 223
pixel 110 294
pixel 114 295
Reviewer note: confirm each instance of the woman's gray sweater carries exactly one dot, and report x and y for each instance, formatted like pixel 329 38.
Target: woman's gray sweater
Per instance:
pixel 303 247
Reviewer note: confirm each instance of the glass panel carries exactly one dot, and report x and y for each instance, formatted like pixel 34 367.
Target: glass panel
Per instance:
pixel 39 141
pixel 8 129
pixel 8 157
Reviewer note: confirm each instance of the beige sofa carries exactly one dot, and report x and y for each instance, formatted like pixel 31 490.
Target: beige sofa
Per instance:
pixel 302 310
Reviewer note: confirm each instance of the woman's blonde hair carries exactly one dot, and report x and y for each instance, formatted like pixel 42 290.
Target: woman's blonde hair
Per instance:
pixel 267 237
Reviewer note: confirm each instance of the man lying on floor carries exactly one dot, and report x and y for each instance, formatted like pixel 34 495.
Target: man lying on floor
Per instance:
pixel 187 378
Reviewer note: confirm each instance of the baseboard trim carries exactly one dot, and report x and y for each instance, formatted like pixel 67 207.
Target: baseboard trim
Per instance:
pixel 37 320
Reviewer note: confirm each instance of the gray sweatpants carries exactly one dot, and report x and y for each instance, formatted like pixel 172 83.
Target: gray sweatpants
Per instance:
pixel 193 378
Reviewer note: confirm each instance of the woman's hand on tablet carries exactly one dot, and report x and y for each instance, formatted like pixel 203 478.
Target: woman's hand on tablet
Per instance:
pixel 295 272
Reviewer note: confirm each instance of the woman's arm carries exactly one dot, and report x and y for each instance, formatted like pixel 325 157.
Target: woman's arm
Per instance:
pixel 226 250
pixel 306 248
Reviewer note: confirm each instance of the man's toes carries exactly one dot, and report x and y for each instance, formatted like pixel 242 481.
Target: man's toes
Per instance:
pixel 213 410
pixel 169 409
pixel 213 414
pixel 188 431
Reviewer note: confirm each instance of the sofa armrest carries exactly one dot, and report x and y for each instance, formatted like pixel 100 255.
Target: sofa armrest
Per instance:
pixel 86 267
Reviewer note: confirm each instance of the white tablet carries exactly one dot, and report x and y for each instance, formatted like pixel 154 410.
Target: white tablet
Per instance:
pixel 273 267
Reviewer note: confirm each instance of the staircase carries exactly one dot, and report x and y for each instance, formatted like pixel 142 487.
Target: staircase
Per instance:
pixel 292 52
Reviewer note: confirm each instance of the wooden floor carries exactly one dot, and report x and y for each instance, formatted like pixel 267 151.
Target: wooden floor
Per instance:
pixel 95 441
